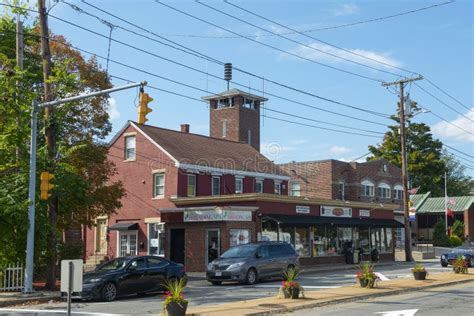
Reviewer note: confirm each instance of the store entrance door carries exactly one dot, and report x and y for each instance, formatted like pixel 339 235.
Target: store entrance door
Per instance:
pixel 177 245
pixel 213 245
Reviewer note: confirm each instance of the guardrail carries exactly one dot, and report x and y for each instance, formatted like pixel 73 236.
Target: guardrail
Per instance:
pixel 12 277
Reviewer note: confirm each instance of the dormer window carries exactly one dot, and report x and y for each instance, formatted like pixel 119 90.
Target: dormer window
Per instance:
pixel 367 188
pixel 384 190
pixel 385 168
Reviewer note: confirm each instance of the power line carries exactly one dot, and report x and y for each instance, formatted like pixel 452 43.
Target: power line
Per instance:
pixel 268 45
pixel 295 41
pixel 211 59
pixel 458 151
pixel 444 120
pixel 453 98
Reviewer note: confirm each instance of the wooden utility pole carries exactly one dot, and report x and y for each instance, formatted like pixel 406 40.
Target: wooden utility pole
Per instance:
pixel 51 145
pixel 406 197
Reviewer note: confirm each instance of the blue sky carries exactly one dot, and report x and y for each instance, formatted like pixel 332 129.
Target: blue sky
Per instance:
pixel 437 43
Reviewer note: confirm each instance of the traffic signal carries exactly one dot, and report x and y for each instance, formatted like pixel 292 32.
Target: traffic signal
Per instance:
pixel 46 185
pixel 143 108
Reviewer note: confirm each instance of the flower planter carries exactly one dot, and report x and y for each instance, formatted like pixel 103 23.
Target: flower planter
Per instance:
pixel 420 275
pixel 176 309
pixel 458 270
pixel 367 283
pixel 292 292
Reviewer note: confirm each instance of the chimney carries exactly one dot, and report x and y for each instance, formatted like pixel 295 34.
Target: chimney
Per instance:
pixel 184 128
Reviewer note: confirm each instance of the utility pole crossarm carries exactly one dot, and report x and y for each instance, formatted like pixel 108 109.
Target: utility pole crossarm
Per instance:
pixel 402 81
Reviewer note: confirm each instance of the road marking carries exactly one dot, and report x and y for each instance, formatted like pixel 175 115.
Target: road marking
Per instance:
pixel 381 276
pixel 55 311
pixel 305 286
pixel 406 312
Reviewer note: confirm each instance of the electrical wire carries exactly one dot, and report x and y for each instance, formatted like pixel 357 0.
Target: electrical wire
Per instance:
pixel 458 151
pixel 453 98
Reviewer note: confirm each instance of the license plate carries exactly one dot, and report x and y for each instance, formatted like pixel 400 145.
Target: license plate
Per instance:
pixel 218 273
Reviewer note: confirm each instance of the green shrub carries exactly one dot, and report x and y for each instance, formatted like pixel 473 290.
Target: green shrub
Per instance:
pixel 458 229
pixel 455 241
pixel 439 234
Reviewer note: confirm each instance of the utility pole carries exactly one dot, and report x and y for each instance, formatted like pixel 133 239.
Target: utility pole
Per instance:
pixel 51 146
pixel 406 198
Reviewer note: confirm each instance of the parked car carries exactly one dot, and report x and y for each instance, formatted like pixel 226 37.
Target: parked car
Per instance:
pixel 249 263
pixel 466 252
pixel 129 275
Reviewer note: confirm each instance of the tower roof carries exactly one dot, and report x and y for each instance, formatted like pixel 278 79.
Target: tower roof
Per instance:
pixel 234 92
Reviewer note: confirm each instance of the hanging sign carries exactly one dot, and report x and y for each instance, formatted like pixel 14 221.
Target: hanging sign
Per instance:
pixel 217 215
pixel 364 213
pixel 302 209
pixel 335 211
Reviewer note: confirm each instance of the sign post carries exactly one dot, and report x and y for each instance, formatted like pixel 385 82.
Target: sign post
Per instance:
pixel 71 279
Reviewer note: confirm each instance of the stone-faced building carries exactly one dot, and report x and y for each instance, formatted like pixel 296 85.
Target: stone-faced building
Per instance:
pixel 190 197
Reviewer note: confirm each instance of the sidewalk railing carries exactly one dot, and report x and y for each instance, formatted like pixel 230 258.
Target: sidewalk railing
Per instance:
pixel 12 277
pixel 421 246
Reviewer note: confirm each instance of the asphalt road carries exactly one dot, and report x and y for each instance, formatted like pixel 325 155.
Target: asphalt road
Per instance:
pixel 454 300
pixel 200 292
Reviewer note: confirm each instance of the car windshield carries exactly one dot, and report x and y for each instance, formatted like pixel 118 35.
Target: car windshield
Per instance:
pixel 114 264
pixel 240 251
pixel 460 250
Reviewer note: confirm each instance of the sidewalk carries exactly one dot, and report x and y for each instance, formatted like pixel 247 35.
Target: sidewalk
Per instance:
pixel 272 305
pixel 17 298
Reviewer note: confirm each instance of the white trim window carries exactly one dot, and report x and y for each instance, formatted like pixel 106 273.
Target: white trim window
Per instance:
pixel 127 243
pixel 156 237
pixel 130 147
pixel 191 185
pixel 295 189
pixel 259 186
pixel 249 137
pixel 216 185
pixel 277 188
pixel 158 185
pixel 367 188
pixel 239 185
pixel 341 190
pixel 384 190
pixel 224 129
pixel 398 192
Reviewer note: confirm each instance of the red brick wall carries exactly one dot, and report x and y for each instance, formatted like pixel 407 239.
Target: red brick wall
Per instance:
pixel 469 222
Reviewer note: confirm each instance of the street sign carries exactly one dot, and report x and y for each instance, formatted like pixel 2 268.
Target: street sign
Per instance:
pixel 76 276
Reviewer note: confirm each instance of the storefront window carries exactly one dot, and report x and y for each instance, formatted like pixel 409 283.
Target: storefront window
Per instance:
pixel 287 234
pixel 344 235
pixel 364 239
pixel 239 236
pixel 302 241
pixel 325 241
pixel 269 230
pixel 156 238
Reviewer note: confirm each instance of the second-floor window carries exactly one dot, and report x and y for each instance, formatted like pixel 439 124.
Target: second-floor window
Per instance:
pixel 239 185
pixel 341 191
pixel 295 189
pixel 384 190
pixel 367 188
pixel 158 185
pixel 398 192
pixel 130 150
pixel 191 187
pixel 277 188
pixel 224 129
pixel 216 185
pixel 259 186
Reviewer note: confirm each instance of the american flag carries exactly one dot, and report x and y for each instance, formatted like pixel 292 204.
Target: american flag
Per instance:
pixel 413 191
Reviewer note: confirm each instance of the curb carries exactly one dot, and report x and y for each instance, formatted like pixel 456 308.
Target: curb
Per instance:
pixel 352 299
pixel 36 300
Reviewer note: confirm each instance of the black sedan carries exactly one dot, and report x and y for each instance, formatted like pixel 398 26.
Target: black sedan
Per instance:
pixel 129 275
pixel 466 252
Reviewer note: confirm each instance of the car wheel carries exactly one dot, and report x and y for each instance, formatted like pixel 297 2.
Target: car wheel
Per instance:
pixel 109 292
pixel 444 265
pixel 251 277
pixel 471 262
pixel 216 282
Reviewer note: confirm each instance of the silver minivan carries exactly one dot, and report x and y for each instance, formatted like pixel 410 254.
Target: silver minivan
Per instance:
pixel 249 263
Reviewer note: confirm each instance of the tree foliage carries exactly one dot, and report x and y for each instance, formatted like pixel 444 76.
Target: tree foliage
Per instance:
pixel 427 162
pixel 82 170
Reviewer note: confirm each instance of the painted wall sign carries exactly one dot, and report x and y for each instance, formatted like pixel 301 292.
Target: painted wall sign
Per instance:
pixel 364 213
pixel 335 211
pixel 302 209
pixel 217 215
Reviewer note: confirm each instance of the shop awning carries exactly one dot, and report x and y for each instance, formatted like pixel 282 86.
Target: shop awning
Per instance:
pixel 300 220
pixel 124 226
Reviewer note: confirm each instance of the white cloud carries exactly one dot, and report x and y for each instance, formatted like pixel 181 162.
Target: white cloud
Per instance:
pixel 346 9
pixel 446 130
pixel 338 150
pixel 113 110
pixel 320 52
pixel 296 142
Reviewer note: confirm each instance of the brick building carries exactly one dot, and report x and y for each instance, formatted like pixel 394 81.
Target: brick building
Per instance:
pixel 190 197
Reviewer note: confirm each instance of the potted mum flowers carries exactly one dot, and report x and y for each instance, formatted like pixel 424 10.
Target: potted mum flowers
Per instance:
pixel 419 271
pixel 175 304
pixel 460 265
pixel 366 275
pixel 289 287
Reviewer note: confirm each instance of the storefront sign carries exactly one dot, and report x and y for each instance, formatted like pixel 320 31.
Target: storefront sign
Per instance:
pixel 364 213
pixel 334 211
pixel 217 215
pixel 302 209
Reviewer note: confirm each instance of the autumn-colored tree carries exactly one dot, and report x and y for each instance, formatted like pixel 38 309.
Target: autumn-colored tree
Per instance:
pixel 82 171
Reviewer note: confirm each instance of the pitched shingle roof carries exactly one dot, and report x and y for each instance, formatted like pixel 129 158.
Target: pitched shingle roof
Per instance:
pixel 437 205
pixel 194 149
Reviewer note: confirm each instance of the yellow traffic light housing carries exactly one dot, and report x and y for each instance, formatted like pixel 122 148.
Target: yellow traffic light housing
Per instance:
pixel 143 108
pixel 46 185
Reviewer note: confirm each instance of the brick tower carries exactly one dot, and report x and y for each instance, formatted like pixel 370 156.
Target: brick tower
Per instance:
pixel 235 115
